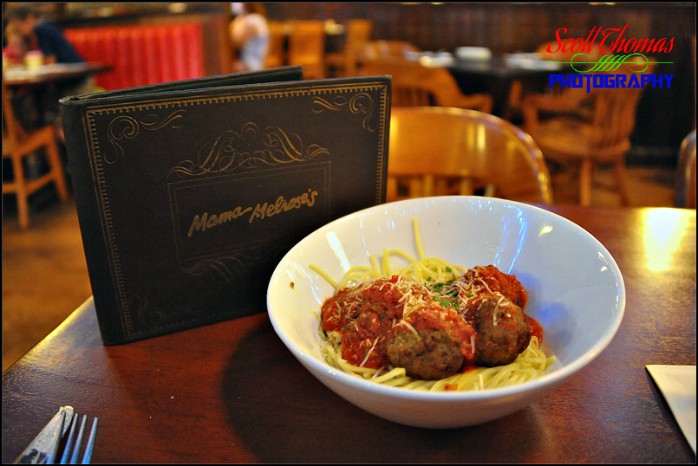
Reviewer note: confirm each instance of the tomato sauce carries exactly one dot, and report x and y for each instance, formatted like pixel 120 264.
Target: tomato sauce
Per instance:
pixel 498 281
pixel 364 314
pixel 536 328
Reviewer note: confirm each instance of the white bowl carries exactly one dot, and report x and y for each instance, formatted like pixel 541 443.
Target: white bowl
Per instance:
pixel 576 292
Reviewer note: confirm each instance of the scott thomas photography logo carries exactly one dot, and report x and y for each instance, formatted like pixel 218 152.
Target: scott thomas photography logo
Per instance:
pixel 610 57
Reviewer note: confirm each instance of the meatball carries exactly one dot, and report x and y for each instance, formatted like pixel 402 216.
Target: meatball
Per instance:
pixel 364 314
pixel 430 343
pixel 506 284
pixel 502 329
pixel 383 295
pixel 484 281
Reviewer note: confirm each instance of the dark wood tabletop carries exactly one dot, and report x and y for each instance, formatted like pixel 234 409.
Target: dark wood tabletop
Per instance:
pixel 231 392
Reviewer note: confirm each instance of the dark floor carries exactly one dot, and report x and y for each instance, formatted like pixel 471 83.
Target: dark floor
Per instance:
pixel 44 275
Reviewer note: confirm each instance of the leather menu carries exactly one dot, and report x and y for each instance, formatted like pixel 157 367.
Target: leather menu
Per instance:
pixel 189 193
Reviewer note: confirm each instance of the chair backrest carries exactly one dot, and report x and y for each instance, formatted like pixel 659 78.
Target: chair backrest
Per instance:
pixel 613 119
pixel 12 131
pixel 686 175
pixel 437 150
pixel 376 49
pixel 592 54
pixel 614 110
pixel 306 47
pixel 606 116
pixel 569 97
pixel 414 84
pixel 358 34
pixel 276 54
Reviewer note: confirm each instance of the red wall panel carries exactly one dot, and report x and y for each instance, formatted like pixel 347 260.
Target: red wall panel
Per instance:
pixel 142 54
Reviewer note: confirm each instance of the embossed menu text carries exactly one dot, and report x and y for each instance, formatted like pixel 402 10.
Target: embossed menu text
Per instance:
pixel 188 195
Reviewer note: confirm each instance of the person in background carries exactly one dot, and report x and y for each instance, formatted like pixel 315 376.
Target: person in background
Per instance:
pixel 249 33
pixel 14 47
pixel 44 36
pixel 22 98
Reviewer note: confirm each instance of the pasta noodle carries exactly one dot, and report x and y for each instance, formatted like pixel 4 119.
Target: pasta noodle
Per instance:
pixel 530 364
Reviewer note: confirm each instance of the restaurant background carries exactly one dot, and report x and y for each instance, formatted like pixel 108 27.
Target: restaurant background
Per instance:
pixel 665 116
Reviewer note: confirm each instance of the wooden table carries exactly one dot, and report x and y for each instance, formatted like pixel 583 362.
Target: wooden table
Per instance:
pixel 231 392
pixel 54 73
pixel 495 77
pixel 40 89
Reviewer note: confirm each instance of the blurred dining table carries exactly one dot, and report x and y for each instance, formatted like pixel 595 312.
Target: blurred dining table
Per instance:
pixel 50 73
pixel 39 88
pixel 496 75
pixel 231 392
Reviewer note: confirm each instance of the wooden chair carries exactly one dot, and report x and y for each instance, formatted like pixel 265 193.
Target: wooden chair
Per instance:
pixel 570 139
pixel 276 53
pixel 440 151
pixel 571 98
pixel 418 85
pixel 346 62
pixel 17 145
pixel 593 54
pixel 306 47
pixel 686 176
pixel 378 49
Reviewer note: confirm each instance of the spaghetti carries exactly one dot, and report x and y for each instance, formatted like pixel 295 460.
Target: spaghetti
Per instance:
pixel 356 320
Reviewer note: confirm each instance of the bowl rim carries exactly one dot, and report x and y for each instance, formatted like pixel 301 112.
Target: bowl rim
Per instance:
pixel 547 381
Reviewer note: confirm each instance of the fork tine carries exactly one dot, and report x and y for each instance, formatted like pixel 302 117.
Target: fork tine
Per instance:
pixel 71 439
pixel 78 442
pixel 90 442
pixel 72 448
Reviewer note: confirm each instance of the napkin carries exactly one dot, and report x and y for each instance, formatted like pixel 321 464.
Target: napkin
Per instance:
pixel 678 385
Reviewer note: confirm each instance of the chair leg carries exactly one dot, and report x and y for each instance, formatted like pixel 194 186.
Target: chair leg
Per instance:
pixel 585 182
pixel 428 185
pixel 21 194
pixel 621 182
pixel 23 188
pixel 416 187
pixel 391 190
pixel 466 187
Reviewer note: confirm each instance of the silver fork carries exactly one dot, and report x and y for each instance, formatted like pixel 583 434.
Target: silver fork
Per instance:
pixel 71 452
